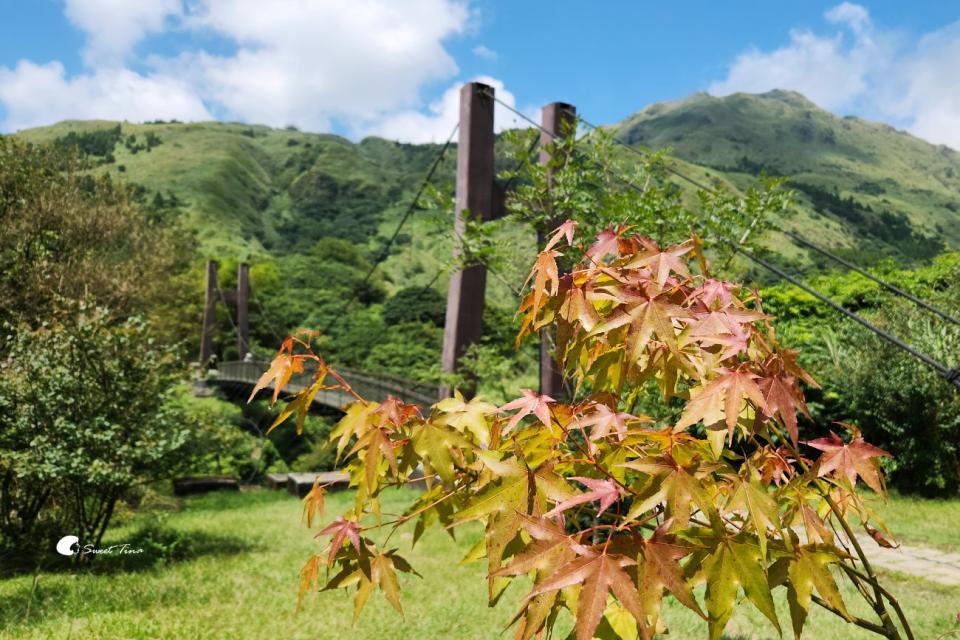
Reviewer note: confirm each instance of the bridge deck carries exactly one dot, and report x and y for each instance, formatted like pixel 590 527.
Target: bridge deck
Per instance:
pixel 375 387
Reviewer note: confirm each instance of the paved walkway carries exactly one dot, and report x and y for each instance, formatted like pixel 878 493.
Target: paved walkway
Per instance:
pixel 924 562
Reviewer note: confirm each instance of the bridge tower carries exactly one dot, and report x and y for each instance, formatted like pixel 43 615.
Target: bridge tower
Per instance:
pixel 239 297
pixel 479 194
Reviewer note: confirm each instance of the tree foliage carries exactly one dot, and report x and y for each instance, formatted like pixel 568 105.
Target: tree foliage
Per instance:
pixel 608 511
pixel 70 236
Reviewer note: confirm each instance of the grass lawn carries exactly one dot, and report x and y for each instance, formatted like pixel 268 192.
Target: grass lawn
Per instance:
pixel 924 522
pixel 242 579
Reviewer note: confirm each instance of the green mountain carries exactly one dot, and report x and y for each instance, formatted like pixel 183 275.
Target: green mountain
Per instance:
pixel 864 186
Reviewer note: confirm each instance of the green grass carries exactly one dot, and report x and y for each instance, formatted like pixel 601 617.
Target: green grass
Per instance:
pixel 242 581
pixel 922 521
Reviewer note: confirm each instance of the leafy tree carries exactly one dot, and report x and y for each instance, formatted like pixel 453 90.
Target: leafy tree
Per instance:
pixel 69 236
pixel 593 182
pixel 608 511
pixel 84 414
pixel 415 304
pixel 94 143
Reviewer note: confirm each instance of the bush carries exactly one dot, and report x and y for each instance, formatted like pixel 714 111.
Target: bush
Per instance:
pixel 901 404
pixel 586 497
pixel 415 304
pixel 84 414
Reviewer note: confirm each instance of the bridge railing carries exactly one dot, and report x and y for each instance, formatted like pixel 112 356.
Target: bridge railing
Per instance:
pixel 369 385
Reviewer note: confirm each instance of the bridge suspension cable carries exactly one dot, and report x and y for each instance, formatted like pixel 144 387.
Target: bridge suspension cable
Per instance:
pixel 226 308
pixel 385 252
pixel 951 375
pixel 887 285
pixel 266 320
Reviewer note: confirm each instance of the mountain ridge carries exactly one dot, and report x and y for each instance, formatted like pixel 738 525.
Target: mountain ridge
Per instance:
pixel 247 189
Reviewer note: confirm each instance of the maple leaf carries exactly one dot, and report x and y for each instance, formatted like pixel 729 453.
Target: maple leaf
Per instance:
pixel 283 366
pixel 783 396
pixel 676 486
pixel 564 230
pixel 376 443
pixel 716 290
pixel 856 458
pixel 604 421
pixel 758 504
pixel 651 317
pixel 338 530
pixel 606 491
pixel 309 575
pixel 549 539
pixel 313 503
pixel 545 272
pixel 357 420
pixel 530 403
pixel 774 464
pixel 881 539
pixel 435 443
pixel 659 569
pixel 662 263
pixel 729 390
pixel 607 242
pixel 724 328
pixel 598 574
pixel 395 412
pixel 733 566
pixel 577 308
pixel 466 416
pixel 807 569
pixel 302 402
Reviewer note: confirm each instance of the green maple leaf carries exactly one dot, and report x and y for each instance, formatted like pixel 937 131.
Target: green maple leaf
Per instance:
pixel 466 416
pixel 732 566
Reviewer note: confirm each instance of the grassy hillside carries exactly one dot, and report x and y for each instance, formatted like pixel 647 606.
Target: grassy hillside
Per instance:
pixel 311 212
pixel 866 187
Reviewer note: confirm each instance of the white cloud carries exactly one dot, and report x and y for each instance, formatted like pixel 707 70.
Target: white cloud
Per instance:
pixel 863 69
pixel 343 63
pixel 41 94
pixel 434 126
pixel 482 51
pixel 309 62
pixel 926 92
pixel 114 27
pixel 854 16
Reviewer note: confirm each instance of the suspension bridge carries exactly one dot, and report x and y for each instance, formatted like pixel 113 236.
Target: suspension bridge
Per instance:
pixel 479 193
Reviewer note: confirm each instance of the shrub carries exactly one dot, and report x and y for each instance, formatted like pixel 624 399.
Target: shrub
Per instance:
pixel 84 414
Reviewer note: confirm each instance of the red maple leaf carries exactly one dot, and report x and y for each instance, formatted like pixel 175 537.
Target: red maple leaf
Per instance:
pixel 338 530
pixel 662 263
pixel 604 421
pixel 607 242
pixel 530 403
pixel 715 290
pixel 564 230
pixel 856 458
pixel 606 491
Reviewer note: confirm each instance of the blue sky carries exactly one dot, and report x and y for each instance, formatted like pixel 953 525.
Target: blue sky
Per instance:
pixel 391 67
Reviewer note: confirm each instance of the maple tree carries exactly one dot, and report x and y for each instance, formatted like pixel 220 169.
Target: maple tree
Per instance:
pixel 605 511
